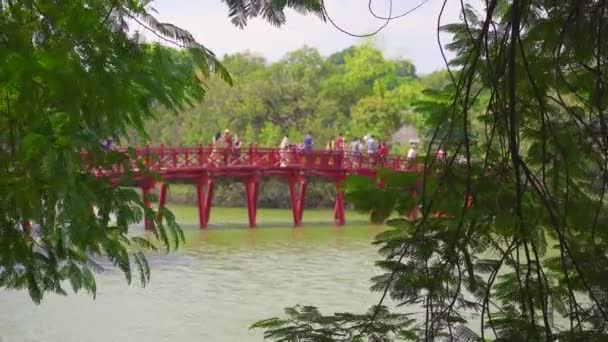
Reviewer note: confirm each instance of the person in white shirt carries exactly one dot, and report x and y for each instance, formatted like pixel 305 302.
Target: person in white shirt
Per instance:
pixel 354 147
pixel 284 143
pixel 411 156
pixel 371 149
pixel 354 151
pixel 284 151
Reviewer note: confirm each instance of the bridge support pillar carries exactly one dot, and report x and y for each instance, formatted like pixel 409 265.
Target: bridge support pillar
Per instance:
pixel 145 190
pixel 162 199
pixel 251 189
pixel 204 191
pixel 339 216
pixel 298 197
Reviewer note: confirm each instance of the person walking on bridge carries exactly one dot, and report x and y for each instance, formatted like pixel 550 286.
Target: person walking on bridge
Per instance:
pixel 354 151
pixel 216 151
pixel 308 142
pixel 339 142
pixel 383 152
pixel 339 148
pixel 284 152
pixel 227 146
pixel 237 147
pixel 372 148
pixel 412 154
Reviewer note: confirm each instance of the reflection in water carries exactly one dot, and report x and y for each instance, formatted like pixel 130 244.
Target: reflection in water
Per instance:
pixel 212 290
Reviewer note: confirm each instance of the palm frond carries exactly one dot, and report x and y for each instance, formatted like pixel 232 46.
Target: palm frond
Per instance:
pixel 272 11
pixel 238 11
pixel 204 58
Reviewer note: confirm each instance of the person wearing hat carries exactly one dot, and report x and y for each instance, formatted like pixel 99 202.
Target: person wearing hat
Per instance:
pixel 308 142
pixel 216 152
pixel 227 146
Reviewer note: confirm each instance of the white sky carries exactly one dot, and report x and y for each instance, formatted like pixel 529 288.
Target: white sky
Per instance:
pixel 412 37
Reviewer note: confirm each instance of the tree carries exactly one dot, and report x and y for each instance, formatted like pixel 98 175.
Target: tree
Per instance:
pixel 339 58
pixel 384 112
pixel 436 80
pixel 72 75
pixel 510 240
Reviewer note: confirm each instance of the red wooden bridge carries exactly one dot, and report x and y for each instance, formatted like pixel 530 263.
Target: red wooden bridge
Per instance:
pixel 202 166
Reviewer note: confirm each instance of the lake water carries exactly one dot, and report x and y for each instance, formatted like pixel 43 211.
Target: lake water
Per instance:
pixel 213 289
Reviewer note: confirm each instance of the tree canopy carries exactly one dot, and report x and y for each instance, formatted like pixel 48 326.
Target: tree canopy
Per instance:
pixel 363 93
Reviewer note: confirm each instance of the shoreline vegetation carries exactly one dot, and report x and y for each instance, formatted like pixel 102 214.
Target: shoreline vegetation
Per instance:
pixel 236 217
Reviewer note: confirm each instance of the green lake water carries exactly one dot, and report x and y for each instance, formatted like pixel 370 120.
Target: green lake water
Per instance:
pixel 221 281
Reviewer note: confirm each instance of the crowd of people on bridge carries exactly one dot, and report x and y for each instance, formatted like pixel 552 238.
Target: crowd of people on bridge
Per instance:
pixel 377 152
pixel 225 148
pixel 369 150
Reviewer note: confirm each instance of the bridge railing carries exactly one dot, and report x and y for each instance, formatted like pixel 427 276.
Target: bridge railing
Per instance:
pixel 162 158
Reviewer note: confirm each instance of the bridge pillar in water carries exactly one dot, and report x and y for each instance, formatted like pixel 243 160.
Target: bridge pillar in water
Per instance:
pixel 251 190
pixel 298 197
pixel 339 216
pixel 204 191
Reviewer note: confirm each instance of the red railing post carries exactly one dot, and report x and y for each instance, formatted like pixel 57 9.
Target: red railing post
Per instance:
pixel 174 153
pixel 340 159
pixel 186 156
pixel 200 155
pixel 250 154
pixel 161 156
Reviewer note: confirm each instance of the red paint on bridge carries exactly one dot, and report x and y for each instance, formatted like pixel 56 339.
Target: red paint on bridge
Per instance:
pixel 202 166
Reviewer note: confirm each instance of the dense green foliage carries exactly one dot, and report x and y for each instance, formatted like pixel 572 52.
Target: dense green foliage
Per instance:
pixel 72 75
pixel 361 93
pixel 527 260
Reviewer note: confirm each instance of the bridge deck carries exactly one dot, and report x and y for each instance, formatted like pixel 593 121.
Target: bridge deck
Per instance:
pixel 203 165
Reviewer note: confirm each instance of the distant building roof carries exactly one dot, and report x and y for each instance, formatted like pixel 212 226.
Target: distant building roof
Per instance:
pixel 404 135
